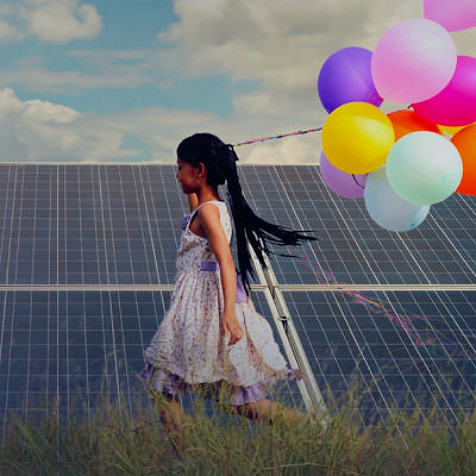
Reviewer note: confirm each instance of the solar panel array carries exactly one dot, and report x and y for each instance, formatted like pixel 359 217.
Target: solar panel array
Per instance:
pixel 416 352
pixel 71 350
pixel 87 262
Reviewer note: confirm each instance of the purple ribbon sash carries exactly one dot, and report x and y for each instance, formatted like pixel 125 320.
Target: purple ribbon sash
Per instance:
pixel 240 290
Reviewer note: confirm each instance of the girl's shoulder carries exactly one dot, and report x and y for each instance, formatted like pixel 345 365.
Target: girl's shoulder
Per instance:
pixel 218 203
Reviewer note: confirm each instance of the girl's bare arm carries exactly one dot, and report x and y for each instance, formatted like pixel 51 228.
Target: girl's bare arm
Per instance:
pixel 209 217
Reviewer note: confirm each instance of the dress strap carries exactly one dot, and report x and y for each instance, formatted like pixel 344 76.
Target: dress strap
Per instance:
pixel 192 213
pixel 201 205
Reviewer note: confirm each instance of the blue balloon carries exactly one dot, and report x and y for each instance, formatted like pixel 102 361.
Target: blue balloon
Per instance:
pixel 345 77
pixel 388 209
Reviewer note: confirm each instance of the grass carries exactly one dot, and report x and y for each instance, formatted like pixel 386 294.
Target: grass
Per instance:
pixel 113 442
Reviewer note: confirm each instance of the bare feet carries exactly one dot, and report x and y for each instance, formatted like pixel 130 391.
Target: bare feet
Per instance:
pixel 267 410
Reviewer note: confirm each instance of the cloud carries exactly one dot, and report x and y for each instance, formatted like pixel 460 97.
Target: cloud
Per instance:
pixel 33 76
pixel 61 20
pixel 105 69
pixel 6 30
pixel 30 130
pixel 278 42
pixel 40 131
pixel 281 45
pixel 56 21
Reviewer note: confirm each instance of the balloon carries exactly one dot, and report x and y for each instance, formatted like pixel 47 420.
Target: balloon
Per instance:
pixel 424 167
pixel 465 142
pixel 345 76
pixel 388 209
pixel 455 105
pixel 451 130
pixel 414 60
pixel 454 15
pixel 405 122
pixel 345 185
pixel 356 137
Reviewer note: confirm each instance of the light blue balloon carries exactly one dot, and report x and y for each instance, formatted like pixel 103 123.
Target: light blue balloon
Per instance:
pixel 424 167
pixel 388 209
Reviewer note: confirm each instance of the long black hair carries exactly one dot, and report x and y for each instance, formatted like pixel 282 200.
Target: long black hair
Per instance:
pixel 220 160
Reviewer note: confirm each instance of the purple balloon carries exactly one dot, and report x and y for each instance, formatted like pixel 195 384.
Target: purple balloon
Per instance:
pixel 345 77
pixel 345 185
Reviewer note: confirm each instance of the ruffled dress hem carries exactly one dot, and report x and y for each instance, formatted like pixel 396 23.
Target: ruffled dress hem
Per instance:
pixel 160 381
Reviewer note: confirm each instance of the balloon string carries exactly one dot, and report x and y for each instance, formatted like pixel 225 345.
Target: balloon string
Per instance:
pixel 357 182
pixel 432 339
pixel 279 136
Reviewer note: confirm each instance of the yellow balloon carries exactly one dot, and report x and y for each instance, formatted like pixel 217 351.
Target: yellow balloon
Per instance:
pixel 452 130
pixel 357 137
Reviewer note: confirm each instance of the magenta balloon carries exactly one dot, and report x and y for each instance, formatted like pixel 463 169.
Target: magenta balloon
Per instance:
pixel 454 15
pixel 345 77
pixel 345 185
pixel 455 105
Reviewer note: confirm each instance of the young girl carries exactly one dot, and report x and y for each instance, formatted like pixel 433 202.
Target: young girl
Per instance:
pixel 212 338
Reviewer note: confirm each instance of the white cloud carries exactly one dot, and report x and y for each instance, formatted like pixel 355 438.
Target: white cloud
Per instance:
pixel 61 20
pixel 50 20
pixel 6 30
pixel 31 130
pixel 32 75
pixel 282 45
pixel 39 131
pixel 279 42
pixel 46 112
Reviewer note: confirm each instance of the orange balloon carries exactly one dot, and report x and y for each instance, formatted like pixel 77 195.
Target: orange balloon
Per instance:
pixel 465 142
pixel 406 121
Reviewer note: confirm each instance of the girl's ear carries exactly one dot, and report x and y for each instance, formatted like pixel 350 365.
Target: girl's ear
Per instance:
pixel 201 168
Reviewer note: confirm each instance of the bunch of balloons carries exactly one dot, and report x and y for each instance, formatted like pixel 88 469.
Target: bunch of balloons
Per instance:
pixel 403 162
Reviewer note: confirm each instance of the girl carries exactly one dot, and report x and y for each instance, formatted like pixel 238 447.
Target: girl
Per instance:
pixel 212 338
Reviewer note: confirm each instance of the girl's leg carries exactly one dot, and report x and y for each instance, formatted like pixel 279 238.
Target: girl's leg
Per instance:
pixel 266 410
pixel 174 421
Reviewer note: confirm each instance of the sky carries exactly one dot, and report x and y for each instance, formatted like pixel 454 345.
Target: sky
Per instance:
pixel 116 81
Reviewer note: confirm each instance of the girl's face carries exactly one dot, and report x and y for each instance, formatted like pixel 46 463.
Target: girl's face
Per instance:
pixel 187 177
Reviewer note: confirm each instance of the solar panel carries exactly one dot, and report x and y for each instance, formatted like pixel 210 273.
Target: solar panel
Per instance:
pixel 395 349
pixel 354 249
pixel 87 262
pixel 74 348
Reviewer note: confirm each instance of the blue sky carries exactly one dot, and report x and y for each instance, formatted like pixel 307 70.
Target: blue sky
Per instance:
pixel 118 81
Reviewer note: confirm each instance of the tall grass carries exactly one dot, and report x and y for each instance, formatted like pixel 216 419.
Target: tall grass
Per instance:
pixel 114 442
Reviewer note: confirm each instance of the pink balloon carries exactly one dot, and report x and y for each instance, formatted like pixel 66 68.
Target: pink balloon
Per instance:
pixel 456 104
pixel 454 15
pixel 414 60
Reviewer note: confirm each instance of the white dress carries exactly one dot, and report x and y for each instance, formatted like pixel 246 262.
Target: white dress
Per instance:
pixel 189 351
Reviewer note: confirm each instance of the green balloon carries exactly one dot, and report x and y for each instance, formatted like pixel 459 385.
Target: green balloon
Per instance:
pixel 424 167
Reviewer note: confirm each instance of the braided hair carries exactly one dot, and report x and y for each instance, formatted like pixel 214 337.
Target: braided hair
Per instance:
pixel 220 160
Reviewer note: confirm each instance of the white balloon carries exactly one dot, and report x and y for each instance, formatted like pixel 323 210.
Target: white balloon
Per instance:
pixel 388 209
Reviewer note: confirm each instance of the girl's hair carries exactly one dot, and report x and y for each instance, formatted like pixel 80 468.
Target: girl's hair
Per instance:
pixel 220 160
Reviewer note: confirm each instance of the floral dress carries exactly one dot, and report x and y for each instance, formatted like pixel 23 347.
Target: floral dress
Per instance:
pixel 189 351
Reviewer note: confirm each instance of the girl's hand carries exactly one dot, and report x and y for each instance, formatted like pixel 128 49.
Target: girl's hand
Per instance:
pixel 229 323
